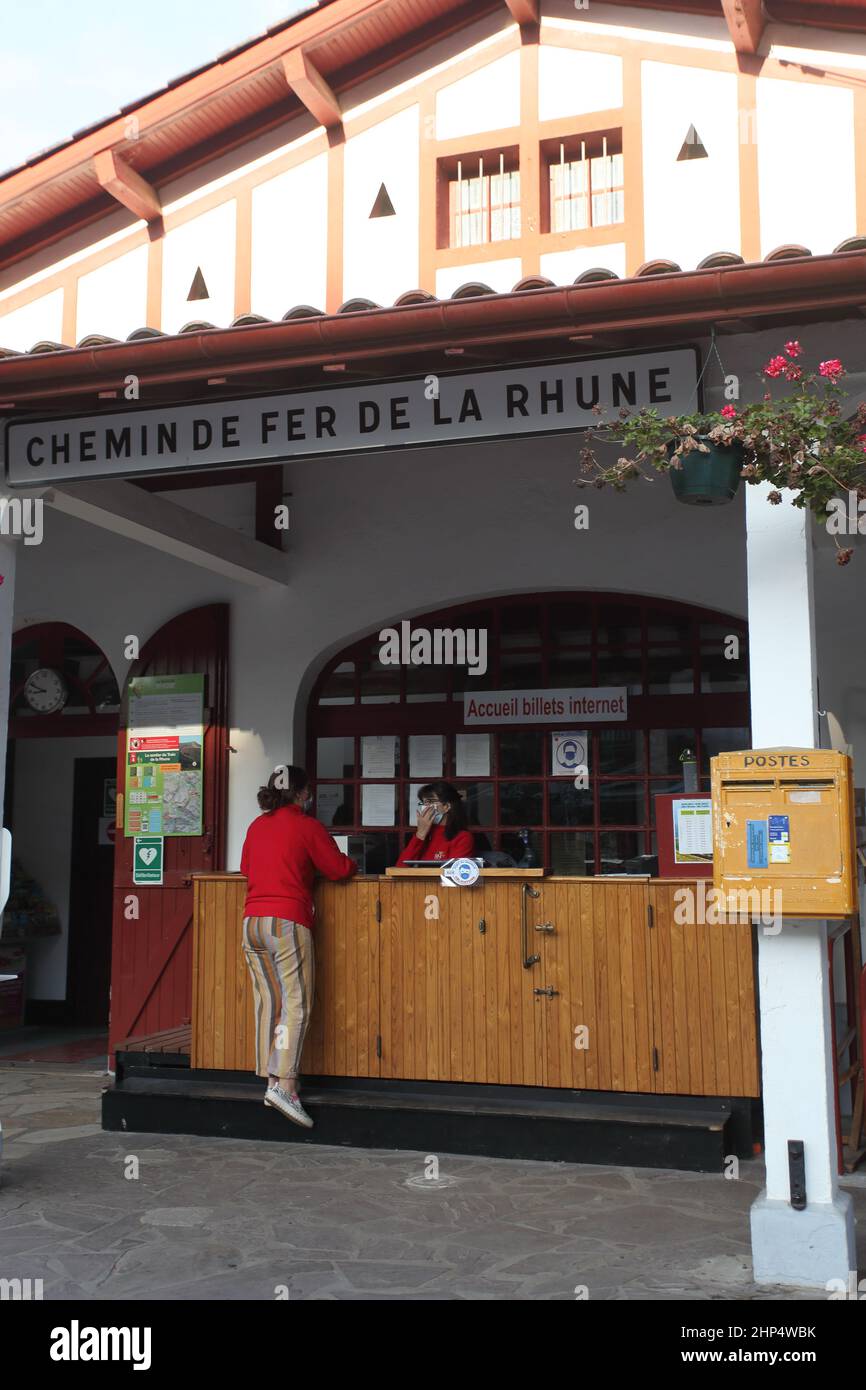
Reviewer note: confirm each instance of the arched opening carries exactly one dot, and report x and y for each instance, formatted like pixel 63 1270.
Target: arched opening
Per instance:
pixel 377 731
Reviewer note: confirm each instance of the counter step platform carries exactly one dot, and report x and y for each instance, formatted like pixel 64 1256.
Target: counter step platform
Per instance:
pixel 694 1134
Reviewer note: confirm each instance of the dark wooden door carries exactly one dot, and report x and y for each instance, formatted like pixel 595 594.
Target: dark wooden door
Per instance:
pixel 90 885
pixel 151 980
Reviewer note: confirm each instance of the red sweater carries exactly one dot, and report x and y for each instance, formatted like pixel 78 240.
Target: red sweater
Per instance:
pixel 282 853
pixel 438 846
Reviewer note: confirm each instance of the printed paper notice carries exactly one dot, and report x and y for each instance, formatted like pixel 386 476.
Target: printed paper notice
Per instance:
pixel 473 755
pixel 425 755
pixel 377 805
pixel 378 756
pixel 328 800
pixel 693 831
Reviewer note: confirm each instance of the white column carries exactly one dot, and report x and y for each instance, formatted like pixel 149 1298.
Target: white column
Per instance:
pixel 815 1245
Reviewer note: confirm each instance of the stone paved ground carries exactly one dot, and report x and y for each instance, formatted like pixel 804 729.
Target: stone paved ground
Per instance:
pixel 231 1219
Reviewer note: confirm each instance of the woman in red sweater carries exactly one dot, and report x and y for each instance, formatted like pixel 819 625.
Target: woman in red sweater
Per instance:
pixel 440 830
pixel 283 851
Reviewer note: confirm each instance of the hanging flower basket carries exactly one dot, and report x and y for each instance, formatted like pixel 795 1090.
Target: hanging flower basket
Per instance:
pixel 707 479
pixel 800 443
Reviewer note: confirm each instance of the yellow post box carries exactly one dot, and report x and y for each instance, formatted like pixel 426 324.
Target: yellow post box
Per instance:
pixel 783 818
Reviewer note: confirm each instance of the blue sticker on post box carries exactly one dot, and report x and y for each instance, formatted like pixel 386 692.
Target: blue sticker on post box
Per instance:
pixel 756 844
pixel 780 829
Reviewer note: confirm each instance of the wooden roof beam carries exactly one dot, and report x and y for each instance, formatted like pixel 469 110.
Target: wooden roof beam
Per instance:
pixel 524 11
pixel 746 23
pixel 120 180
pixel 310 87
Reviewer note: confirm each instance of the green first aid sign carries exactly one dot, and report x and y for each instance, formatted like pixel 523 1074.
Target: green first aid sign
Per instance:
pixel 147 859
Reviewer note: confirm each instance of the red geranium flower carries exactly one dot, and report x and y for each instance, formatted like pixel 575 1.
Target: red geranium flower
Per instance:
pixel 775 366
pixel 794 373
pixel 832 368
pixel 792 347
pixel 729 412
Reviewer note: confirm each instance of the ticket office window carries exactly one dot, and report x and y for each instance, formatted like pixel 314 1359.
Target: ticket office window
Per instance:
pixel 378 732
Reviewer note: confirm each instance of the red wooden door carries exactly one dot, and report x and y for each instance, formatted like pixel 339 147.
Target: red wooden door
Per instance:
pixel 151 964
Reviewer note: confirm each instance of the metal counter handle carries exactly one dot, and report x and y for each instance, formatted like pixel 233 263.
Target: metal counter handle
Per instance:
pixel 527 892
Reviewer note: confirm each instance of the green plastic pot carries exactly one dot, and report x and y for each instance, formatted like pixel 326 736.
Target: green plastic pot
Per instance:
pixel 707 480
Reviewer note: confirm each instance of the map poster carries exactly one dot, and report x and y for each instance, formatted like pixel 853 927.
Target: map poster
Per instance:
pixel 164 753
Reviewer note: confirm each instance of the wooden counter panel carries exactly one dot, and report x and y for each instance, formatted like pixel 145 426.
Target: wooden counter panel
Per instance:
pixel 342 1038
pixel 222 1002
pixel 455 1005
pixel 418 991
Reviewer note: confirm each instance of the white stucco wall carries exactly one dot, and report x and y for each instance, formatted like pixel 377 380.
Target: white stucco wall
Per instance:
pixel 380 254
pixel 810 128
pixel 685 219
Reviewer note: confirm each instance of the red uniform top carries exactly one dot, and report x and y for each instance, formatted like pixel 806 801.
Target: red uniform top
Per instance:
pixel 282 853
pixel 438 846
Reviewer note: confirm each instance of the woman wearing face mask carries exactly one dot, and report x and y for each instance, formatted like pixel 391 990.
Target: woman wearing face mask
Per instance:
pixel 283 851
pixel 440 830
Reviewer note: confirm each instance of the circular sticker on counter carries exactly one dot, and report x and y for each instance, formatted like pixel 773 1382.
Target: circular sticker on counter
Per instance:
pixel 463 872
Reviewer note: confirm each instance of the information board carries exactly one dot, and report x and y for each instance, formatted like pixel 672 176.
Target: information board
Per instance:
pixel 164 755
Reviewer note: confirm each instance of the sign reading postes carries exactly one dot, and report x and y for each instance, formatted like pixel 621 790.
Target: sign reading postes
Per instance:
pixel 555 397
pixel 602 704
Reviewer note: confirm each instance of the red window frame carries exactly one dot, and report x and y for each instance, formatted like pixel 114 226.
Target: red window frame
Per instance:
pixel 697 710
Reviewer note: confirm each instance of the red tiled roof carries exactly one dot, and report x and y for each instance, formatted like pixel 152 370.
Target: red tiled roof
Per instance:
pixel 242 93
pixel 536 320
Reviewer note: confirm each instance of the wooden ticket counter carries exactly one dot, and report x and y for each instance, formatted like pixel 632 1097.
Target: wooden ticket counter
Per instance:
pixel 522 979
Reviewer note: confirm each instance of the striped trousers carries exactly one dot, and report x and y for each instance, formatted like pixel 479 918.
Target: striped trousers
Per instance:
pixel 279 956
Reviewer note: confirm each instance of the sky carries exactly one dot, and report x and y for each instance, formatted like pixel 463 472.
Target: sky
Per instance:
pixel 64 64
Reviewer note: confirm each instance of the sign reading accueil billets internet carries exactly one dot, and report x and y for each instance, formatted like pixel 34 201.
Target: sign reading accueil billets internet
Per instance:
pixel 598 704
pixel 164 753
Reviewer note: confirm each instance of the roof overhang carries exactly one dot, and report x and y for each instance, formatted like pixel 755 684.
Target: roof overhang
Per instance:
pixel 440 334
pixel 300 67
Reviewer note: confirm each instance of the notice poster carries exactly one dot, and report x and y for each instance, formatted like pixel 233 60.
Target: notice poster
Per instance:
pixel 568 754
pixel 378 755
pixel 425 755
pixel 472 755
pixel 693 830
pixel 377 805
pixel 164 755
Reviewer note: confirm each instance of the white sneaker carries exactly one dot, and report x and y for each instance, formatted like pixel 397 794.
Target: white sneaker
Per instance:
pixel 289 1105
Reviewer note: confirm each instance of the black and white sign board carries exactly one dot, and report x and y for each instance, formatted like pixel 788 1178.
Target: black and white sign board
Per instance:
pixel 413 412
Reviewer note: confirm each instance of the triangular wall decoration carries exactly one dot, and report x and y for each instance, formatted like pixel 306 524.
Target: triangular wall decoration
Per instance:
pixel 198 289
pixel 692 147
pixel 383 207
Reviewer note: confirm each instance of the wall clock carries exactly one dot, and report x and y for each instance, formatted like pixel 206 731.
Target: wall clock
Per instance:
pixel 46 691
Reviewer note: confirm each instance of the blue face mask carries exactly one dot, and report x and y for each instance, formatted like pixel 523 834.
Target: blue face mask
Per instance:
pixel 438 816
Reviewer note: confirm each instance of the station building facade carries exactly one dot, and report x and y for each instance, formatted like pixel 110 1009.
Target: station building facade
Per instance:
pixel 336 265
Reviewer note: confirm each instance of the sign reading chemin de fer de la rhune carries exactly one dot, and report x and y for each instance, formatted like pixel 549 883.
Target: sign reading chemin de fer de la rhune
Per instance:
pixel 554 397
